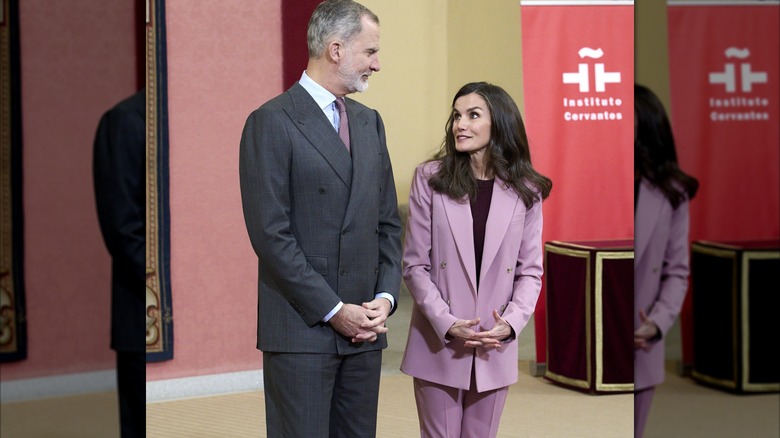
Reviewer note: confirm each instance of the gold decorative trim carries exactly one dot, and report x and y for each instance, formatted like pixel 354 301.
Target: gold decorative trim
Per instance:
pixel 558 242
pixel 726 254
pixel 615 387
pixel 585 255
pixel 566 251
pixel 598 248
pixel 154 325
pixel 599 315
pixel 741 309
pixel 593 309
pixel 747 385
pixel 712 250
pixel 714 381
pixel 585 384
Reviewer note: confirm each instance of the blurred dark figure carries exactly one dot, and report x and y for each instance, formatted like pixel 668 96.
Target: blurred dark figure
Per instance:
pixel 120 193
pixel 661 265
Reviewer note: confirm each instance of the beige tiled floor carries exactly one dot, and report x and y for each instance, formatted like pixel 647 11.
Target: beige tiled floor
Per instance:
pixel 535 408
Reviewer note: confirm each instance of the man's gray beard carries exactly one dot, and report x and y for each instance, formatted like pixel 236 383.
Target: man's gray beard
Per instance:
pixel 357 85
pixel 360 85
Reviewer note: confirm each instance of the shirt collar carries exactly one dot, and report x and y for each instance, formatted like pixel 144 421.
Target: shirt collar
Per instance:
pixel 320 95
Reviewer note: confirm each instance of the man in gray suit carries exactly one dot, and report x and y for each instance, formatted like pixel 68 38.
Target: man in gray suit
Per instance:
pixel 321 212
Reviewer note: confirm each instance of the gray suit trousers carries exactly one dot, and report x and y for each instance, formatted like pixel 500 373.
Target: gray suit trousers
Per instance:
pixel 315 395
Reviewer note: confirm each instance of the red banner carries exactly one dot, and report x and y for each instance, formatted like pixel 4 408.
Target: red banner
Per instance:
pixel 578 73
pixel 725 94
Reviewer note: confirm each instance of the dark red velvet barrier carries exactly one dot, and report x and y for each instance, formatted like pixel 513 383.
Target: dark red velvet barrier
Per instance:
pixel 589 287
pixel 734 310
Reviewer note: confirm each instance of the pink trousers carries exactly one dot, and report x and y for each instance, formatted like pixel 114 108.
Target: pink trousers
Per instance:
pixel 642 401
pixel 446 412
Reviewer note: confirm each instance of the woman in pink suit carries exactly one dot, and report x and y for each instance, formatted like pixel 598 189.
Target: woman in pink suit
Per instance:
pixel 472 263
pixel 661 196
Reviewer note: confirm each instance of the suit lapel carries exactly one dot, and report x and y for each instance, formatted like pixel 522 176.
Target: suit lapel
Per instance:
pixel 313 124
pixel 359 137
pixel 462 228
pixel 648 211
pixel 502 206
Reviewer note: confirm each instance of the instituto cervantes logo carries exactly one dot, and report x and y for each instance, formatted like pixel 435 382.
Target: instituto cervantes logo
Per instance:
pixel 738 87
pixel 599 107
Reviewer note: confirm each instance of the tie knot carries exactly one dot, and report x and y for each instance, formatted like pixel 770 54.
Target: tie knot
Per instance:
pixel 340 105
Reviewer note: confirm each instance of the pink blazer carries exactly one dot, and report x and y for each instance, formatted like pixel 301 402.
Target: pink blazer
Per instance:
pixel 660 274
pixel 440 272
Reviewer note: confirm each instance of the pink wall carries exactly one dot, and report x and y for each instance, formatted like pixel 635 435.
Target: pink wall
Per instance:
pixel 78 59
pixel 222 64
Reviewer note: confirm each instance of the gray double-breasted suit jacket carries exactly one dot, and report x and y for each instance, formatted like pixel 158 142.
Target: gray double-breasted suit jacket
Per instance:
pixel 324 225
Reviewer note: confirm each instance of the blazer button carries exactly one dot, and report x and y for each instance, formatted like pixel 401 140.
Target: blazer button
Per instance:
pixel 343 272
pixel 322 190
pixel 443 265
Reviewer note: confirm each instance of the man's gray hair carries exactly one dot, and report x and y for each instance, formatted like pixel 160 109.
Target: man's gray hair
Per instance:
pixel 335 19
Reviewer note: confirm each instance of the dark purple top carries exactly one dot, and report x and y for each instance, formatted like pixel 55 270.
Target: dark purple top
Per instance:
pixel 480 208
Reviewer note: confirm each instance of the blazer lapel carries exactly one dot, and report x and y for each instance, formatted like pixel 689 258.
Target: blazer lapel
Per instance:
pixel 462 228
pixel 648 211
pixel 502 206
pixel 313 124
pixel 359 135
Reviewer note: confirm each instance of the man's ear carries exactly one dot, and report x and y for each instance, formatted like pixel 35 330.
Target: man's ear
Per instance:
pixel 335 51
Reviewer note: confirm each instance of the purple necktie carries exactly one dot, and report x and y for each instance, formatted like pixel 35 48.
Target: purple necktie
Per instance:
pixel 343 121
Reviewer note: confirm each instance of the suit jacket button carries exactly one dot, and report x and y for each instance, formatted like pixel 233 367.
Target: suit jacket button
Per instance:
pixel 322 190
pixel 443 265
pixel 343 272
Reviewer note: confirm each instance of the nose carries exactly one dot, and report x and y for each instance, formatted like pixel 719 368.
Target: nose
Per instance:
pixel 375 64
